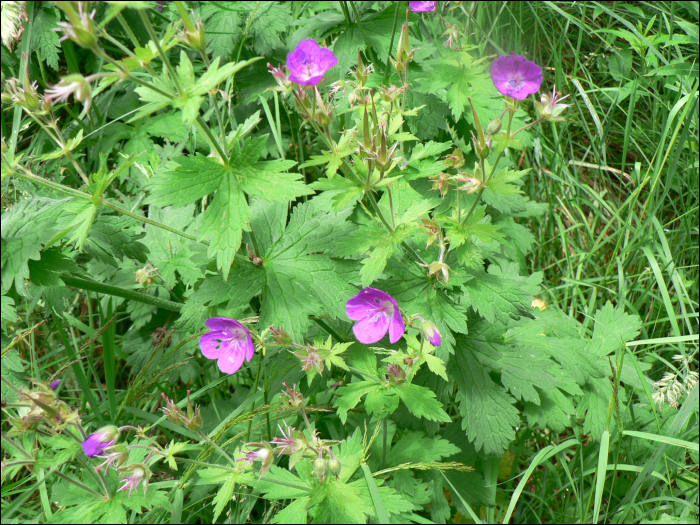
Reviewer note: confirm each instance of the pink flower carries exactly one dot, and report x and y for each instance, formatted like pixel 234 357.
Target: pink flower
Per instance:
pixel 515 76
pixel 309 62
pixel 138 474
pixel 377 313
pixel 229 342
pixel 422 7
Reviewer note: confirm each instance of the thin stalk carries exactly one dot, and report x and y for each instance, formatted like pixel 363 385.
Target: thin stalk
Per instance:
pixel 128 30
pixel 213 443
pixel 27 175
pixel 204 128
pixel 162 54
pixel 391 43
pixel 141 218
pixel 255 389
pixel 385 447
pixel 527 126
pixel 108 289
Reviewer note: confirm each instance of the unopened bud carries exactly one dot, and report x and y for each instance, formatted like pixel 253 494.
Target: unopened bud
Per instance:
pixel 430 331
pixel 334 467
pixel 494 126
pixel 320 468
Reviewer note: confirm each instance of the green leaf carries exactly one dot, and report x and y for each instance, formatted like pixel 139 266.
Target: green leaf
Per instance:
pixel 225 494
pixel 436 365
pixel 421 402
pixel 336 502
pixel 223 28
pixel 223 222
pixel 22 240
pixel 293 513
pixel 169 252
pixel 185 180
pixel 349 396
pixel 497 298
pixel 553 412
pixel 270 21
pixel 44 37
pixel 488 414
pixel 300 279
pixel 273 490
pixel 112 238
pixel 613 327
pixel 500 182
pixel 414 447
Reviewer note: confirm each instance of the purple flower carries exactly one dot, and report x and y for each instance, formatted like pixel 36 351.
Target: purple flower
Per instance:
pixel 98 441
pixel 515 76
pixel 309 62
pixel 55 384
pixel 422 7
pixel 376 312
pixel 229 342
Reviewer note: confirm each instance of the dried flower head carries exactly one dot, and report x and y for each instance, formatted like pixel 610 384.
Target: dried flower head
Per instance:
pixel 75 85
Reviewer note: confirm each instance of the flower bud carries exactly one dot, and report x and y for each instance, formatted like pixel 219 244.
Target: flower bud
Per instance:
pixel 80 27
pixel 294 398
pixel 334 467
pixel 494 126
pixel 196 38
pixel 430 331
pixel 98 441
pixel 280 337
pixel 320 468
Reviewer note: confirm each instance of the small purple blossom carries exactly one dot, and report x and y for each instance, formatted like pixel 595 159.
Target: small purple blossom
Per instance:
pixel 515 76
pixel 309 62
pixel 55 384
pixel 422 7
pixel 430 331
pixel 97 442
pixel 377 313
pixel 263 454
pixel 229 342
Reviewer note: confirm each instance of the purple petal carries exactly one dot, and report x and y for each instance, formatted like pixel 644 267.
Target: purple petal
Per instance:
pixel 435 340
pixel 93 445
pixel 223 323
pixel 422 7
pixel 309 62
pixel 371 329
pixel 366 303
pixel 232 362
pixel 515 76
pixel 248 346
pixel 396 327
pixel 55 384
pixel 214 345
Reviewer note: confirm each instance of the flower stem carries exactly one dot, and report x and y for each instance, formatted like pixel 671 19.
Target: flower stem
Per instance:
pixel 140 218
pixel 213 443
pixel 108 289
pixel 255 389
pixel 162 54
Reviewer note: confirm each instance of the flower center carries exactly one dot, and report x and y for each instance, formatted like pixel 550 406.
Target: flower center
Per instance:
pixel 515 82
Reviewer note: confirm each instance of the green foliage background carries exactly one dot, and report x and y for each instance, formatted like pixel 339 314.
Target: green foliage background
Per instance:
pixel 555 412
